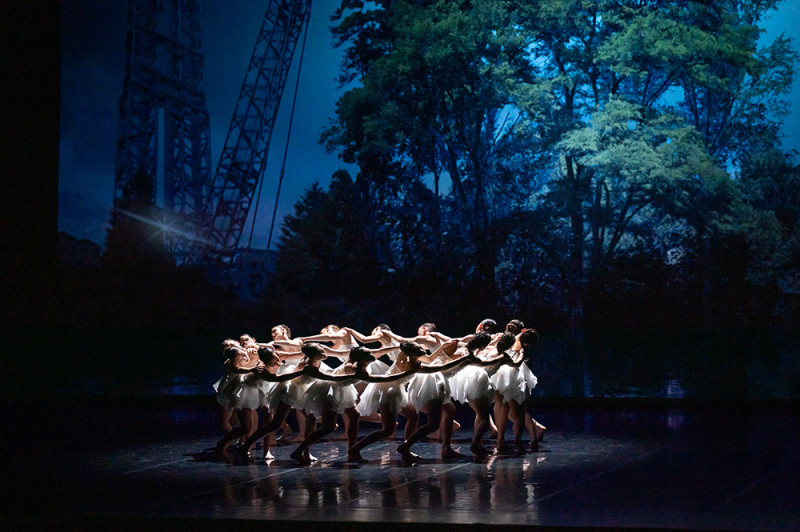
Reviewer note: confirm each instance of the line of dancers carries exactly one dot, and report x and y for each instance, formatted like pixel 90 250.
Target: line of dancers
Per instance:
pixel 426 373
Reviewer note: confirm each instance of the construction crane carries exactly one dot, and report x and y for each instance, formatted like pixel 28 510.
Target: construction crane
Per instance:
pixel 164 127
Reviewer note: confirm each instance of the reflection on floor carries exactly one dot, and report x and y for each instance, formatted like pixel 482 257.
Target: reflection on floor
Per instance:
pixel 94 466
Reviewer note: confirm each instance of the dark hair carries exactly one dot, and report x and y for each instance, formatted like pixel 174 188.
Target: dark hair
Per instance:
pixel 515 326
pixel 360 354
pixel 488 325
pixel 528 337
pixel 383 327
pixel 288 330
pixel 266 353
pixel 412 348
pixel 429 325
pixel 228 342
pixel 506 342
pixel 479 341
pixel 230 351
pixel 311 350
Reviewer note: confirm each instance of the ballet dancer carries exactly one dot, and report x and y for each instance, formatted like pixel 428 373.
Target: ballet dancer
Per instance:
pixel 333 394
pixel 430 392
pixel 239 393
pixel 513 384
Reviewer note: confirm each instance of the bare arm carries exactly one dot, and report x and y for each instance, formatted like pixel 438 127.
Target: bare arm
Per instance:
pixel 361 338
pixel 289 355
pixel 466 359
pixel 271 377
pixel 338 335
pixel 343 354
pixel 384 378
pixel 321 375
pixel 439 336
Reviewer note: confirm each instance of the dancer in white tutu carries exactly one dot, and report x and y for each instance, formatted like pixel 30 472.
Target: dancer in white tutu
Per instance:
pixel 332 394
pixel 513 384
pixel 387 398
pixel 239 393
pixel 536 429
pixel 276 390
pixel 290 351
pixel 471 385
pixel 286 396
pixel 389 348
pixel 429 338
pixel 430 392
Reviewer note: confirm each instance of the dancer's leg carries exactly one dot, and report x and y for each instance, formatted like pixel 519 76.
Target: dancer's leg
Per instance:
pixel 388 426
pixel 481 407
pixel 412 418
pixel 446 429
pixel 434 411
pixel 278 417
pixel 501 418
pixel 301 454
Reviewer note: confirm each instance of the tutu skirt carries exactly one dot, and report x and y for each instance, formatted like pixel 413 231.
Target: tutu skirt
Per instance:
pixel 424 387
pixel 326 395
pixel 377 394
pixel 515 383
pixel 470 382
pixel 240 391
pixel 295 394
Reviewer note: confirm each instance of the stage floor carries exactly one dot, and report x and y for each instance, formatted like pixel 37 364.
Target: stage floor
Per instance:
pixel 128 465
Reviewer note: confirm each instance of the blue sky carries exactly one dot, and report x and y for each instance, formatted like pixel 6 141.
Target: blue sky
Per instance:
pixel 93 54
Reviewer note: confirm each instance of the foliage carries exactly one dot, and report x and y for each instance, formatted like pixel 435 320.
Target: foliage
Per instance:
pixel 574 159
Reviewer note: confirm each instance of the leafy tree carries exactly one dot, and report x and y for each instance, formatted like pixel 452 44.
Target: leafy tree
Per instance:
pixel 436 82
pixel 582 139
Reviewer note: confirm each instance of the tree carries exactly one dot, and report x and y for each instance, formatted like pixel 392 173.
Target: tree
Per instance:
pixel 436 81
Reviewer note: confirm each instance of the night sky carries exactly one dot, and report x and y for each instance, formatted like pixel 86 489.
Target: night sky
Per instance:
pixel 93 55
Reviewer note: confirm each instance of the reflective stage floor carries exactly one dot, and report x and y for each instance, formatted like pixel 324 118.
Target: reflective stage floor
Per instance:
pixel 145 465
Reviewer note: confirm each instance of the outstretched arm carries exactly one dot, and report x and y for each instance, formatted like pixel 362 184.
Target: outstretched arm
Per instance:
pixel 439 336
pixel 448 348
pixel 364 376
pixel 230 368
pixel 466 359
pixel 321 375
pixel 342 354
pixel 338 335
pixel 271 377
pixel 361 338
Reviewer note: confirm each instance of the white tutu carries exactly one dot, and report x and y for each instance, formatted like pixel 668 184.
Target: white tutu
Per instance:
pixel 277 393
pixel 470 382
pixel 327 395
pixel 378 367
pixel 515 383
pixel 377 394
pixel 424 387
pixel 296 392
pixel 240 391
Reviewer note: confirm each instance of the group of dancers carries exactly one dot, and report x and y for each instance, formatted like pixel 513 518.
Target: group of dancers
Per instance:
pixel 400 376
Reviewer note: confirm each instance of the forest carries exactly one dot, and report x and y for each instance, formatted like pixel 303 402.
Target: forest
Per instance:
pixel 610 172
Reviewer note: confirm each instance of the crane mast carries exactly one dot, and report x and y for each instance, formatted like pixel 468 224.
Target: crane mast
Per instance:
pixel 244 155
pixel 164 127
